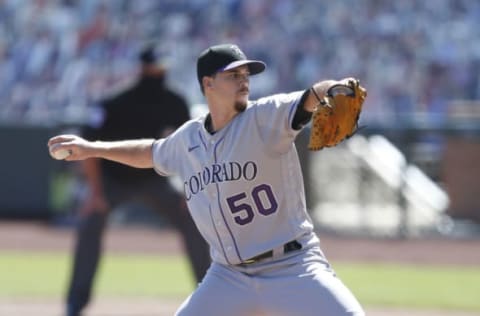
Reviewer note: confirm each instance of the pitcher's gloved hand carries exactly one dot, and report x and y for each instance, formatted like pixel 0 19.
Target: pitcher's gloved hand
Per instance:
pixel 336 117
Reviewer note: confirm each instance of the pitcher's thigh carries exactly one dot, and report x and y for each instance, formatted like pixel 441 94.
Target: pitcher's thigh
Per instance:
pixel 313 291
pixel 222 292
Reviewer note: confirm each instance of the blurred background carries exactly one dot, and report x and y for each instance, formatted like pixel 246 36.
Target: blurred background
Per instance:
pixel 411 172
pixel 415 156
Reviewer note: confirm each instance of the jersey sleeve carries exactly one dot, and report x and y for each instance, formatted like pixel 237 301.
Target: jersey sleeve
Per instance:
pixel 166 155
pixel 274 116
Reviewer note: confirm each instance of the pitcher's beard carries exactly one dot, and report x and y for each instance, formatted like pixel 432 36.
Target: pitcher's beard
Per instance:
pixel 240 106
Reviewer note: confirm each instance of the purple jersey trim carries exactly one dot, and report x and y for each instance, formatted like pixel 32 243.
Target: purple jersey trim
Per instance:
pixel 202 140
pixel 218 236
pixel 220 205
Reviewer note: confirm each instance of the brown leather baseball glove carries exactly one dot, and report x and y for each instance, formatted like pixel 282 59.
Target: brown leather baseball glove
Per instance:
pixel 336 117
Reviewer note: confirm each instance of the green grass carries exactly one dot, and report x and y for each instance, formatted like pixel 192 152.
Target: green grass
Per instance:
pixel 439 287
pixel 46 275
pixel 394 285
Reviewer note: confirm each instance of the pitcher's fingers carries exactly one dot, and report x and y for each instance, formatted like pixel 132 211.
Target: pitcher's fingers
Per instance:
pixel 60 139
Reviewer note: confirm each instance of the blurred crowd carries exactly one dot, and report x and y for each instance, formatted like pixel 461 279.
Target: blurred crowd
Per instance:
pixel 59 57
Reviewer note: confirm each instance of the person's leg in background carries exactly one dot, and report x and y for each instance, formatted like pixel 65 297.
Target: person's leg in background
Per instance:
pixel 197 249
pixel 88 247
pixel 87 253
pixel 171 205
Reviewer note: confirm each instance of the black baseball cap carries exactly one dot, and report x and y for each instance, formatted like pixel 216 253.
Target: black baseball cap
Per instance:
pixel 148 55
pixel 224 57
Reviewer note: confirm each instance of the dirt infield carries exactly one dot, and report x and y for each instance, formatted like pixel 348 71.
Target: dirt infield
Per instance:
pixel 139 239
pixel 41 237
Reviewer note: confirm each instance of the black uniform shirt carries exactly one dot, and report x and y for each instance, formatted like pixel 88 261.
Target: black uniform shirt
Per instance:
pixel 143 111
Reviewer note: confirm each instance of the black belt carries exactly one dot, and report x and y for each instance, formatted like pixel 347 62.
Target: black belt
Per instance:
pixel 288 247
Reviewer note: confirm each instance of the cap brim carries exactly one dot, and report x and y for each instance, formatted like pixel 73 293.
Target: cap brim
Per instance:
pixel 254 66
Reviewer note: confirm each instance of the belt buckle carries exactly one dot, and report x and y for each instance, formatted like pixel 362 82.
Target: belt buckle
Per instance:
pixel 288 247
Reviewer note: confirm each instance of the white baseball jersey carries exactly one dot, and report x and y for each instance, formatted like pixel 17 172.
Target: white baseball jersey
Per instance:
pixel 243 184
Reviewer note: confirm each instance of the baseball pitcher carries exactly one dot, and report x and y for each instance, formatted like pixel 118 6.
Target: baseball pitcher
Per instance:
pixel 243 185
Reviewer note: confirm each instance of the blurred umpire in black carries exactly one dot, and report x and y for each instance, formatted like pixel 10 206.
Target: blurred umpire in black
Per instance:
pixel 149 109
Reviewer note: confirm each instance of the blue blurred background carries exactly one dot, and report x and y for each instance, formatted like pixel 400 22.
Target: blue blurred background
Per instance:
pixel 419 60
